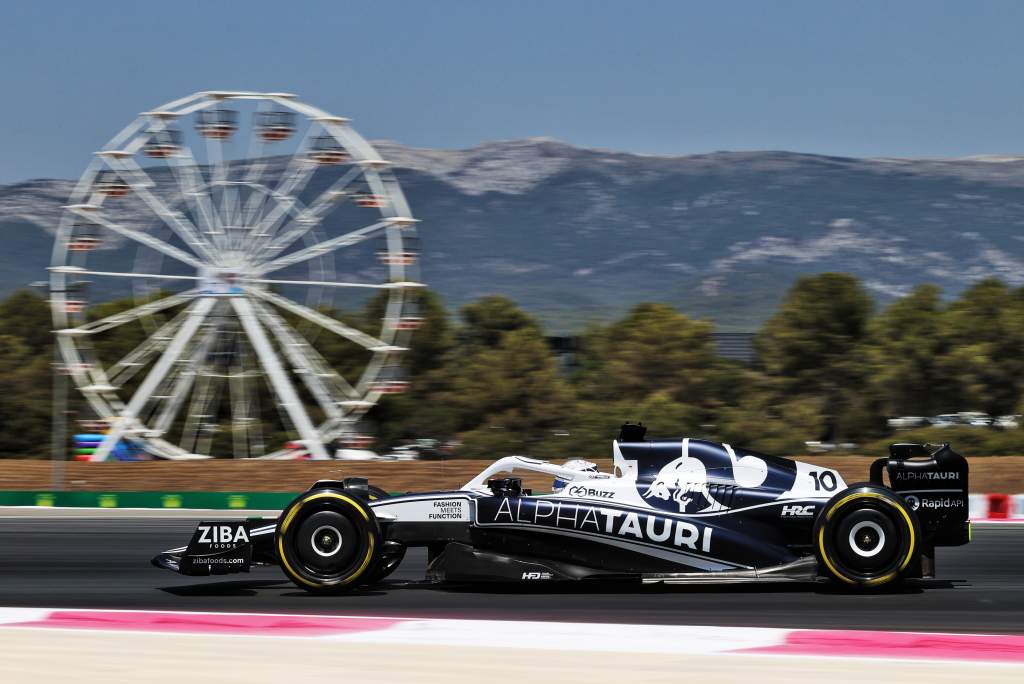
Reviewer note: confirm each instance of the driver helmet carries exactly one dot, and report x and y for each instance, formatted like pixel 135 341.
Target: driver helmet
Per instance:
pixel 573 464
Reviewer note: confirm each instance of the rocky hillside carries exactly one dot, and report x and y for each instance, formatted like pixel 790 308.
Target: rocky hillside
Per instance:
pixel 576 234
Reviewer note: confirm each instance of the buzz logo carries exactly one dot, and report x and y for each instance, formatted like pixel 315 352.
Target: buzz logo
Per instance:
pixel 222 534
pixel 537 575
pixel 797 511
pixel 581 491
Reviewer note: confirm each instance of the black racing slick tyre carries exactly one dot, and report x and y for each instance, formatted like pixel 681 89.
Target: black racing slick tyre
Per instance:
pixel 866 537
pixel 328 541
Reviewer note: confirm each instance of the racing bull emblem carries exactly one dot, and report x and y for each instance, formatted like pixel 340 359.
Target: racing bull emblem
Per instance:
pixel 681 484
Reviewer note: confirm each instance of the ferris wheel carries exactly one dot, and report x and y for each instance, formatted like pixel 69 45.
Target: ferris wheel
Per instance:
pixel 252 214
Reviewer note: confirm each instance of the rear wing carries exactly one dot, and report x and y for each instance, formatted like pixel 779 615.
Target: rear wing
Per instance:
pixel 933 479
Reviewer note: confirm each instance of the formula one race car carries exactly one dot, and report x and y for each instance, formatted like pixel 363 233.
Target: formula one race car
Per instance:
pixel 673 511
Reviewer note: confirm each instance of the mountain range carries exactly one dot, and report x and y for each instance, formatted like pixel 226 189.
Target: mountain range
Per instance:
pixel 577 234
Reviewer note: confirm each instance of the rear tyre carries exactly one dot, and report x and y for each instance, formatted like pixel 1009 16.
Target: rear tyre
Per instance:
pixel 328 541
pixel 866 537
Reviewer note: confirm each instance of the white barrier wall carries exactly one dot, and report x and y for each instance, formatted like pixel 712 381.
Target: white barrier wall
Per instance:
pixel 1017 510
pixel 978 506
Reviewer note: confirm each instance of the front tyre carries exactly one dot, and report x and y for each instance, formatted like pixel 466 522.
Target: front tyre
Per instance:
pixel 866 536
pixel 328 541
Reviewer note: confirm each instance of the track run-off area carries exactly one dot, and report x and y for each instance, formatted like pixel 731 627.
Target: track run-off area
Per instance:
pixel 78 583
pixel 95 561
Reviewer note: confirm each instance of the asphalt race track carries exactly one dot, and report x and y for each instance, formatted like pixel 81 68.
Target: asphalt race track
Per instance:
pixel 104 563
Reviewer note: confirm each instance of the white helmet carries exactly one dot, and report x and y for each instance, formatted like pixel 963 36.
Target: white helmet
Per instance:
pixel 573 464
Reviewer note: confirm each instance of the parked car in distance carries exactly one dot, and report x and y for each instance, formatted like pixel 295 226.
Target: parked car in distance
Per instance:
pixel 906 422
pixel 975 418
pixel 1009 422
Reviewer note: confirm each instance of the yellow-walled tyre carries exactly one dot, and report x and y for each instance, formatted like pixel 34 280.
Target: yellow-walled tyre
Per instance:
pixel 867 537
pixel 328 541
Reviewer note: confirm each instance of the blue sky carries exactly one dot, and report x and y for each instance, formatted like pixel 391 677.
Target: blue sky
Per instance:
pixel 848 78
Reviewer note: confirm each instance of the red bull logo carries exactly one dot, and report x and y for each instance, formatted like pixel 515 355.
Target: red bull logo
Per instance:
pixel 681 485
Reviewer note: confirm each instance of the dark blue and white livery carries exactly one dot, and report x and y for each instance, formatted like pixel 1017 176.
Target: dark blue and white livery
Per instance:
pixel 672 511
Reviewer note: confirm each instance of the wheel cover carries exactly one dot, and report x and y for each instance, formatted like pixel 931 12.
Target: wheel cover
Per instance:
pixel 327 544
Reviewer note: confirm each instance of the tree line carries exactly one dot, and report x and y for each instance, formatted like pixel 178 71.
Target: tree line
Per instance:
pixel 830 366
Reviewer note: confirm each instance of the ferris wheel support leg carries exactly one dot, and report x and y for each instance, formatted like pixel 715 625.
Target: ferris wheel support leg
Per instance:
pixel 278 379
pixel 144 393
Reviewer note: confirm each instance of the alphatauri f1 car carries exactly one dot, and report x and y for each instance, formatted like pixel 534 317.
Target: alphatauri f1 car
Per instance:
pixel 673 511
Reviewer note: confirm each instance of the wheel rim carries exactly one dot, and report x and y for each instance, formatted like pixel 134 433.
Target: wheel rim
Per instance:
pixel 326 540
pixel 327 546
pixel 867 538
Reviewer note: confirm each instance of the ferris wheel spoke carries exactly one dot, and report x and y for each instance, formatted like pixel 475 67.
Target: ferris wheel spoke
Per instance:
pixel 297 173
pixel 74 270
pixel 323 248
pixel 257 165
pixel 128 416
pixel 230 218
pixel 199 406
pixel 215 154
pixel 203 412
pixel 267 226
pixel 311 217
pixel 318 363
pixel 254 427
pixel 254 206
pixel 298 351
pixel 239 427
pixel 132 174
pixel 130 315
pixel 243 419
pixel 138 236
pixel 257 146
pixel 294 179
pixel 183 383
pixel 337 327
pixel 191 186
pixel 128 366
pixel 278 379
pixel 335 283
pixel 219 178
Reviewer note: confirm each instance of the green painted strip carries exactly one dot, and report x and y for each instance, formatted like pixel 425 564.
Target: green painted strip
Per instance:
pixel 214 500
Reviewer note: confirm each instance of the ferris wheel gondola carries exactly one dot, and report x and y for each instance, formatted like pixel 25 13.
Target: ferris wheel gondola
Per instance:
pixel 275 125
pixel 218 124
pixel 236 230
